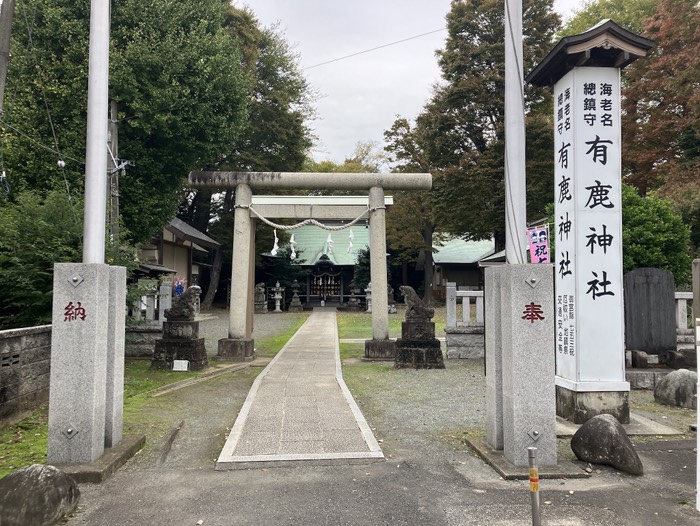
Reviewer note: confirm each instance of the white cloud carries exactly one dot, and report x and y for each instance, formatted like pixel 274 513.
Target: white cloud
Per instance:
pixel 362 95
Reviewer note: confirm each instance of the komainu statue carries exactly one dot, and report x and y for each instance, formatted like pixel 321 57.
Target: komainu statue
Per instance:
pixel 415 308
pixel 185 307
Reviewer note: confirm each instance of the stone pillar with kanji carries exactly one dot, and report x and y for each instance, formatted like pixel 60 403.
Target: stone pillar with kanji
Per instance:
pixel 584 72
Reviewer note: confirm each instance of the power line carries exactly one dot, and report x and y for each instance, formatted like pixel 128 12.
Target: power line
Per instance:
pixel 374 48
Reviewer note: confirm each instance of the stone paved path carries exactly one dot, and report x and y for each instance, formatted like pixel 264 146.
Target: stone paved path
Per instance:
pixel 299 409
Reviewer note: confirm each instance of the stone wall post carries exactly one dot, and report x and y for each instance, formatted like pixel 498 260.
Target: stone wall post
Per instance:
pixel 527 358
pixel 79 348
pixel 494 358
pixel 451 304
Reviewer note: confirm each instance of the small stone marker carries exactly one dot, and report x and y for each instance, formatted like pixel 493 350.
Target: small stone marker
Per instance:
pixel 650 311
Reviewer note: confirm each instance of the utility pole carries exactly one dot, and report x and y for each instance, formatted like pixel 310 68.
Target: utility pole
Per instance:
pixel 516 223
pixel 6 12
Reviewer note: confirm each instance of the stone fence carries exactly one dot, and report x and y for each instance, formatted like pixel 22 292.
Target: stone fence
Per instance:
pixel 25 360
pixel 683 321
pixel 464 326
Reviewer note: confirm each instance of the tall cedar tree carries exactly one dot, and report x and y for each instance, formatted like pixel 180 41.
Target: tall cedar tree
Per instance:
pixel 661 118
pixel 458 136
pixel 410 223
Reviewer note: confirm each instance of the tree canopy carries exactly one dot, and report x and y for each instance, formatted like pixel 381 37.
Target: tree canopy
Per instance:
pixel 653 235
pixel 661 119
pixel 175 71
pixel 630 14
pixel 459 134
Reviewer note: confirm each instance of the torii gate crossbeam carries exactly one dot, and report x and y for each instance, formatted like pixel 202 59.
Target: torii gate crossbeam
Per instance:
pixel 239 344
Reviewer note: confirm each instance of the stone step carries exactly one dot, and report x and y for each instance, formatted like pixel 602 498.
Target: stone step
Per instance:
pixel 686 338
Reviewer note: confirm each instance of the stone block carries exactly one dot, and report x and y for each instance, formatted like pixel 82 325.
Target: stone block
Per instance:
pixel 180 330
pixel 418 330
pixel 579 407
pixel 231 350
pixel 673 359
pixel 168 350
pixel 640 359
pixel 380 350
pixel 464 344
pixel 418 354
pixel 644 379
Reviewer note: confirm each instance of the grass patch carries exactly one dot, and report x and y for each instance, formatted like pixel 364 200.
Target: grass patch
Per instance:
pixel 139 378
pixel 358 325
pixel 352 351
pixel 269 346
pixel 25 442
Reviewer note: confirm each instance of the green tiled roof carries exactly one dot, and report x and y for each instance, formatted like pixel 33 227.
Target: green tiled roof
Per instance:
pixel 312 243
pixel 461 251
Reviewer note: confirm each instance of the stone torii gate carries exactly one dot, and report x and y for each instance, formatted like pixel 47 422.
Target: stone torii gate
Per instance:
pixel 239 344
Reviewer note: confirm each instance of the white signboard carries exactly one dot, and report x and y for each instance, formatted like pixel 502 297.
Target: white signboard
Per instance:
pixel 588 236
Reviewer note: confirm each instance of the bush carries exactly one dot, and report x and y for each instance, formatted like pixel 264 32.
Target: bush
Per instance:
pixel 35 232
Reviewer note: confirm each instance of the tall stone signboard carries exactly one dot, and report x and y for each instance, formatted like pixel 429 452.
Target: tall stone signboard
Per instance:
pixel 584 71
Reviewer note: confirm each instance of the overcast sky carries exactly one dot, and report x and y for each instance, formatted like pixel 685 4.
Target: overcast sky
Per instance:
pixel 361 96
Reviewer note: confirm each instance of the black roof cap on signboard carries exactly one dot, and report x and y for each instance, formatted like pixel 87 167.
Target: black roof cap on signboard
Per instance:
pixel 604 45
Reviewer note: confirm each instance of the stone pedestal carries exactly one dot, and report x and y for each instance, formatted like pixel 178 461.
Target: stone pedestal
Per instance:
pixel 417 347
pixel 465 342
pixel 232 350
pixel 180 341
pixel 380 350
pixel 579 407
pixel 295 305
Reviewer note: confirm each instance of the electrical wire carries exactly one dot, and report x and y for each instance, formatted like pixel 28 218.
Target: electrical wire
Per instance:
pixel 374 49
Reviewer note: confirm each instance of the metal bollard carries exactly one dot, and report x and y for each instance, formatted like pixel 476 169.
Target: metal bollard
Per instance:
pixel 534 486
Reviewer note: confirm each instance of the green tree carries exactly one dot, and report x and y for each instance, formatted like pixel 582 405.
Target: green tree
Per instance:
pixel 410 223
pixel 661 118
pixel 653 235
pixel 459 133
pixel 174 69
pixel 35 232
pixel 630 14
pixel 275 136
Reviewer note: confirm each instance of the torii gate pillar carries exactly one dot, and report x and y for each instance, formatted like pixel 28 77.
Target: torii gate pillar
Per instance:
pixel 239 345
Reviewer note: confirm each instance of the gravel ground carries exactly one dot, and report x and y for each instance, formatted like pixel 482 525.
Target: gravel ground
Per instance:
pixel 430 476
